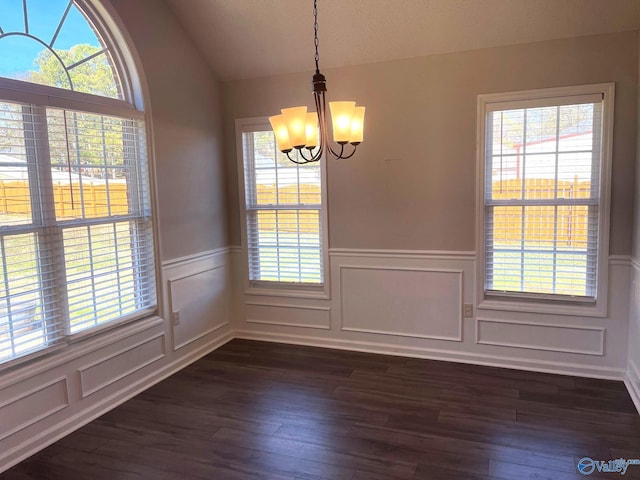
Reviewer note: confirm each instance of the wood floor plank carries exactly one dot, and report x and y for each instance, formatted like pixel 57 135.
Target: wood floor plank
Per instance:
pixel 267 411
pixel 533 438
pixel 332 455
pixel 511 471
pixel 430 472
pixel 445 445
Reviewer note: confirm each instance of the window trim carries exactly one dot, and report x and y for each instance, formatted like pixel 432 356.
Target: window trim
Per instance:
pixel 549 304
pixel 22 92
pixel 276 289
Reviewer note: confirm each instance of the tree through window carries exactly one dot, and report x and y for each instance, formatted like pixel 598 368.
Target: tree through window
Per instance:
pixel 52 42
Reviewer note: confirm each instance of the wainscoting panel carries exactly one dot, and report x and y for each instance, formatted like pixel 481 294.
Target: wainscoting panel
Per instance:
pixel 632 382
pixel 402 302
pixel 27 408
pixel 199 304
pixel 117 365
pixel 541 336
pixel 288 315
pixel 49 397
pixel 632 376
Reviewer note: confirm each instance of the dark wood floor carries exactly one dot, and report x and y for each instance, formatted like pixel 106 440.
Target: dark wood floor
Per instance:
pixel 255 410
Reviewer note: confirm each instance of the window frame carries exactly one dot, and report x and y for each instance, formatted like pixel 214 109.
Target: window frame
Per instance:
pixel 547 303
pixel 279 289
pixel 135 96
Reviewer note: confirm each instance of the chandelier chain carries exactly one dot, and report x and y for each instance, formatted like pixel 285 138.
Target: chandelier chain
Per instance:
pixel 315 33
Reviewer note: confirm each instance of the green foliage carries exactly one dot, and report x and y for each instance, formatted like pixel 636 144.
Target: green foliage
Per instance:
pixel 93 76
pixel 11 138
pixel 88 139
pixel 264 144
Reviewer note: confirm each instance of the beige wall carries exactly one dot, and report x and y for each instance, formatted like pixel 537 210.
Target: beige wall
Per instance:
pixel 636 209
pixel 634 307
pixel 412 183
pixel 186 116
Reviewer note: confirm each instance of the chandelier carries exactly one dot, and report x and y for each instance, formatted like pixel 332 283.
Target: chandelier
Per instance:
pixel 307 133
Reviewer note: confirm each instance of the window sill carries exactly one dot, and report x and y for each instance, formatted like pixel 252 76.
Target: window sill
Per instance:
pixel 542 306
pixel 320 292
pixel 115 324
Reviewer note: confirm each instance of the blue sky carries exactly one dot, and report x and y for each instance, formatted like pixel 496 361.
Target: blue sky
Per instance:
pixel 17 53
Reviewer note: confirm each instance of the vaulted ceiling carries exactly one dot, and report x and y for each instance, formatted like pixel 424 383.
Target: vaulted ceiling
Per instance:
pixel 254 38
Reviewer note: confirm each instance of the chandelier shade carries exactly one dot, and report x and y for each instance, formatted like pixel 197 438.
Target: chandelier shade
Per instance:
pixel 307 132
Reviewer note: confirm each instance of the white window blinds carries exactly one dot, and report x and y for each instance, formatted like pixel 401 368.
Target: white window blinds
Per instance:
pixel 543 163
pixel 76 248
pixel 283 214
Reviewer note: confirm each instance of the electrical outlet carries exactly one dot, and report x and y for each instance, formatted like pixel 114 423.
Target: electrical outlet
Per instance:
pixel 468 310
pixel 175 318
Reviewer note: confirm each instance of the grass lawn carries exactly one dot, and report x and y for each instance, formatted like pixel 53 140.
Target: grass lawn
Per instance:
pixel 538 271
pixel 101 282
pixel 289 257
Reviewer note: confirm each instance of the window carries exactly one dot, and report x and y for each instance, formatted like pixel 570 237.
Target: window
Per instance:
pixel 284 214
pixel 544 220
pixel 76 244
pixel 52 42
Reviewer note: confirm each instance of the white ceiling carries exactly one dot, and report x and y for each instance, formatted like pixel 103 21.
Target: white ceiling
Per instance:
pixel 255 38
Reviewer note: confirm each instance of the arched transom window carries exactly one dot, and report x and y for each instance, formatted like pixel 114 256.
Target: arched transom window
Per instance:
pixel 76 242
pixel 52 42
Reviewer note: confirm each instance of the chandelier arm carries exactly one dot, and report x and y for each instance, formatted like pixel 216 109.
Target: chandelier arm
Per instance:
pixel 303 156
pixel 341 155
pixel 295 160
pixel 344 157
pixel 333 152
pixel 313 157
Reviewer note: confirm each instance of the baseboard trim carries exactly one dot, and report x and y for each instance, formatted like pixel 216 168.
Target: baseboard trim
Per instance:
pixel 632 382
pixel 47 437
pixel 512 363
